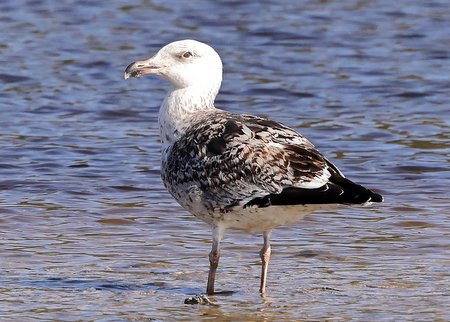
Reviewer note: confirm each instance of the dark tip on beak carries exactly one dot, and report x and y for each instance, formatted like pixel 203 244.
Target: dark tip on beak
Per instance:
pixel 132 71
pixel 129 67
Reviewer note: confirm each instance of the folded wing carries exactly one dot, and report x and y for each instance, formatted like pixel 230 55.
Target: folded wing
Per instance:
pixel 240 161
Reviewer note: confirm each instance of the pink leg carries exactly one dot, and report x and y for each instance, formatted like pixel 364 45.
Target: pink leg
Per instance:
pixel 214 256
pixel 265 257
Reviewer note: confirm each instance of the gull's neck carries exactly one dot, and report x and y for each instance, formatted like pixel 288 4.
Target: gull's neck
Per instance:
pixel 180 108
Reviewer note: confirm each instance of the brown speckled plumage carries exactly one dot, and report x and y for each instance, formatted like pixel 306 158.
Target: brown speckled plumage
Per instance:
pixel 232 161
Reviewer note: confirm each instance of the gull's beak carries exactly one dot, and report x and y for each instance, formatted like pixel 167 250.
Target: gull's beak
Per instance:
pixel 139 68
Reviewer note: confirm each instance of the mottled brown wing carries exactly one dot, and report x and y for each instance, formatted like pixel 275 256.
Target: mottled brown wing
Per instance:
pixel 234 159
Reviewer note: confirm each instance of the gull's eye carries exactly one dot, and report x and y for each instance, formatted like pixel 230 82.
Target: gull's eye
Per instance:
pixel 187 54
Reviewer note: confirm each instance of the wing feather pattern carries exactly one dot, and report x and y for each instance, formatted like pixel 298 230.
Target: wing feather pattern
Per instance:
pixel 237 161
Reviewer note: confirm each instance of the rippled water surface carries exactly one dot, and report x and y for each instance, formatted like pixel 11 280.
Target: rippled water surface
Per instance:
pixel 88 231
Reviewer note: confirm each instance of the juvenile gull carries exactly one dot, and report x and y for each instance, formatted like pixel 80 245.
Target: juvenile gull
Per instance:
pixel 235 171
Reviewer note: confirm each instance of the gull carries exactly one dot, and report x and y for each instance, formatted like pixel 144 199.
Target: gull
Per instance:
pixel 235 171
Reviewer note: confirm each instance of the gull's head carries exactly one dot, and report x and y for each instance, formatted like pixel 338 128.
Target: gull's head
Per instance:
pixel 184 63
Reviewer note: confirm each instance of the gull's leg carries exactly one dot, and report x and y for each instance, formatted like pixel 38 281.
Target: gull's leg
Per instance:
pixel 214 256
pixel 265 257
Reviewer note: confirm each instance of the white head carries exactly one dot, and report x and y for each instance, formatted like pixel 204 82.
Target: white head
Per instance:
pixel 184 63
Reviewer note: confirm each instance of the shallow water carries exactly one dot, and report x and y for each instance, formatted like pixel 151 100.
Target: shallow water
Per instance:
pixel 88 231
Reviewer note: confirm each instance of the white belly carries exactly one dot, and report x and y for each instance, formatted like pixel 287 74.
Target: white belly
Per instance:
pixel 251 219
pixel 260 219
